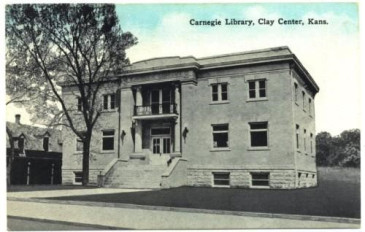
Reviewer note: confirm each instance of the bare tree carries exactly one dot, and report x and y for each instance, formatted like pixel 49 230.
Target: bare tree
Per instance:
pixel 78 44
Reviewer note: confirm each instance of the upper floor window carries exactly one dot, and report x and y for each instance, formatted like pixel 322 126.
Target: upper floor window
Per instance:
pixel 303 94
pixel 311 141
pixel 220 136
pixel 108 140
pixel 79 145
pixel 21 144
pixel 79 104
pixel 219 92
pixel 296 92
pixel 258 134
pixel 297 136
pixel 109 101
pixel 310 106
pixel 257 89
pixel 46 143
pixel 304 140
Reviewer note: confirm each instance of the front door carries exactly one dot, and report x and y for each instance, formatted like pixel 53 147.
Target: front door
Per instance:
pixel 161 140
pixel 161 145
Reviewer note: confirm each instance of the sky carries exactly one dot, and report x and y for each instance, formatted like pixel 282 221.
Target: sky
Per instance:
pixel 331 53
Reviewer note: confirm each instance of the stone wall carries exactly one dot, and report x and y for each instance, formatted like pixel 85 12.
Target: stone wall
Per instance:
pixel 241 178
pixel 68 176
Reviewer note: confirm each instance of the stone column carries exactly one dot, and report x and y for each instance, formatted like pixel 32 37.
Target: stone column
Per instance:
pixel 177 138
pixel 138 137
pixel 139 96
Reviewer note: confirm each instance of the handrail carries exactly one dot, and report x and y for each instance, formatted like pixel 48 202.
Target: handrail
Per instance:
pixel 155 109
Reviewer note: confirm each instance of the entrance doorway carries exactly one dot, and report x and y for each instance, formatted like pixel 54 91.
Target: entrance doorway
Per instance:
pixel 161 140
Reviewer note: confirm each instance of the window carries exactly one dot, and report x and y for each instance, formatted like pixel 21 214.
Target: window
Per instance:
pixel 46 143
pixel 220 92
pixel 311 140
pixel 303 94
pixel 109 102
pixel 258 134
pixel 220 136
pixel 108 140
pixel 310 106
pixel 305 140
pixel 299 174
pixel 78 177
pixel 79 104
pixel 221 178
pixel 257 89
pixel 79 145
pixel 21 145
pixel 296 92
pixel 260 179
pixel 297 136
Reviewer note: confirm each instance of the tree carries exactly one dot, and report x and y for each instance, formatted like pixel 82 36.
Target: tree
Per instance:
pixel 28 93
pixel 81 44
pixel 342 150
pixel 323 148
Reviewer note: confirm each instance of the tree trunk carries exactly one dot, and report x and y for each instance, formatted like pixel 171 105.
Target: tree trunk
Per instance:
pixel 10 157
pixel 86 161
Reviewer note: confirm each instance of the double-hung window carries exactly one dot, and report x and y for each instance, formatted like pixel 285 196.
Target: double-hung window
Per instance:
pixel 303 95
pixel 305 140
pixel 79 145
pixel 109 101
pixel 79 104
pixel 46 143
pixel 297 136
pixel 310 106
pixel 260 179
pixel 296 92
pixel 311 141
pixel 219 92
pixel 108 140
pixel 257 89
pixel 220 136
pixel 258 134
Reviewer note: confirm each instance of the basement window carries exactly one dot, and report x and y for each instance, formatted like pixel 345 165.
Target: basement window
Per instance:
pixel 260 179
pixel 78 177
pixel 221 178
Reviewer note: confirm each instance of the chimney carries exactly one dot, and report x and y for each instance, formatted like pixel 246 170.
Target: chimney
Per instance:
pixel 17 118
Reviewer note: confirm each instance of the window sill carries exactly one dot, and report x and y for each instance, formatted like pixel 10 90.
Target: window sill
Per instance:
pixel 220 149
pixel 107 151
pixel 256 99
pixel 109 111
pixel 218 102
pixel 221 186
pixel 258 149
pixel 260 187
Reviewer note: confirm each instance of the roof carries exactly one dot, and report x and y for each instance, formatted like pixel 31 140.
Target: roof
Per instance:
pixel 269 55
pixel 34 136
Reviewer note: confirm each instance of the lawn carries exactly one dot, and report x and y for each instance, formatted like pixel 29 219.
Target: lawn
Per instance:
pixel 338 195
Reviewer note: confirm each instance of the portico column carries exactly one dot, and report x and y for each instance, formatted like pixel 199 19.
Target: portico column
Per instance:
pixel 138 137
pixel 177 123
pixel 139 96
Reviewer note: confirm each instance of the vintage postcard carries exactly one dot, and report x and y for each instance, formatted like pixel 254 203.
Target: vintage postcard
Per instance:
pixel 182 115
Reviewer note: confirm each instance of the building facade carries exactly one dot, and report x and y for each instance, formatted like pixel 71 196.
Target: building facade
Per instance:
pixel 238 120
pixel 37 157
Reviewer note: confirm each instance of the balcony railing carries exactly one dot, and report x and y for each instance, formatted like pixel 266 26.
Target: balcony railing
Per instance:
pixel 155 109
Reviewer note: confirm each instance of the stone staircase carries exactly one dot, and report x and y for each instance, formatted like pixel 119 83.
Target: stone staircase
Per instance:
pixel 135 175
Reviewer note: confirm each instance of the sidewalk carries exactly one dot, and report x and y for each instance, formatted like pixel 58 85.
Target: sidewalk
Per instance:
pixel 143 217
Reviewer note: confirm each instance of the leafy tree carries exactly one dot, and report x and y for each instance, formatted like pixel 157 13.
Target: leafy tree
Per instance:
pixel 323 148
pixel 342 150
pixel 78 44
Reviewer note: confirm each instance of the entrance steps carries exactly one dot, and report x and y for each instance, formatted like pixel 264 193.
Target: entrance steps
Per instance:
pixel 135 175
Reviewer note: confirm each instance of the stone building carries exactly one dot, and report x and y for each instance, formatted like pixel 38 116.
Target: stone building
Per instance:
pixel 237 120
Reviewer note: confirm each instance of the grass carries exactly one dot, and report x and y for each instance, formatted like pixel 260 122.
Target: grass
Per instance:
pixel 337 195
